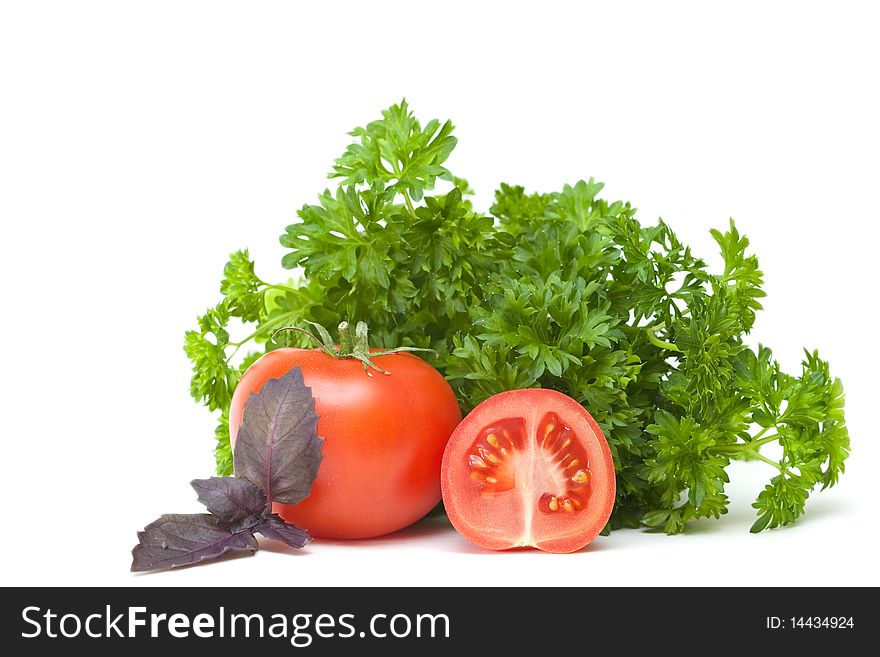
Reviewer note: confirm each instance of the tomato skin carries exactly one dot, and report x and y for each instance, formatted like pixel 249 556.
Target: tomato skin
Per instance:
pixel 384 437
pixel 502 515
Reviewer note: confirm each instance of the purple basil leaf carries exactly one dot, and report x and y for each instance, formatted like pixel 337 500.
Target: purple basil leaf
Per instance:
pixel 277 447
pixel 184 539
pixel 234 500
pixel 274 527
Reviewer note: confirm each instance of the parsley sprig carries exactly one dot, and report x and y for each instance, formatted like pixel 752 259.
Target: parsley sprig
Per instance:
pixel 564 290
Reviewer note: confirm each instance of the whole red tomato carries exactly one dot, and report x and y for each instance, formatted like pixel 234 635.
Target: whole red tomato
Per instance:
pixel 384 436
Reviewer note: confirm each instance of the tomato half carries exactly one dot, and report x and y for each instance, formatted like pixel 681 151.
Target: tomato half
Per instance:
pixel 383 439
pixel 528 468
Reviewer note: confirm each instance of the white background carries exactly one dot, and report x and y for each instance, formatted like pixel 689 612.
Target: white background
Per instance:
pixel 140 143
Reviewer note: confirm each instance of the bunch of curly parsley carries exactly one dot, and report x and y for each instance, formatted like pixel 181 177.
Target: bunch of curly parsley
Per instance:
pixel 562 290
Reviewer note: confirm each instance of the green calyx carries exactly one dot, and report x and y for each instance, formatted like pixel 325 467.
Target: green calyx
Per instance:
pixel 353 343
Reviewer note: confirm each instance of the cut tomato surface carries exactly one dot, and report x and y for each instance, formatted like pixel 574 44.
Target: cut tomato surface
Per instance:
pixel 528 468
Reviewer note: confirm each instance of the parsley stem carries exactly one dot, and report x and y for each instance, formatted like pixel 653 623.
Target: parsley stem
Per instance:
pixel 285 288
pixel 238 345
pixel 264 327
pixel 752 449
pixel 398 173
pixel 248 338
pixel 776 465
pixel 409 203
pixel 260 329
pixel 751 446
pixel 764 441
pixel 650 331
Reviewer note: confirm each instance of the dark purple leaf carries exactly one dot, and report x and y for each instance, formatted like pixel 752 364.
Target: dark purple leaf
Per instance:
pixel 277 447
pixel 235 500
pixel 277 455
pixel 184 539
pixel 275 528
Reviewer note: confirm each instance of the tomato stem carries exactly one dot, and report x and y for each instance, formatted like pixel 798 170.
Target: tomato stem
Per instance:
pixel 298 330
pixel 354 344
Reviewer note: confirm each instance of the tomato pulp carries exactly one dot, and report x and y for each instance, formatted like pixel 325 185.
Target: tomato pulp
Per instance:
pixel 383 439
pixel 528 468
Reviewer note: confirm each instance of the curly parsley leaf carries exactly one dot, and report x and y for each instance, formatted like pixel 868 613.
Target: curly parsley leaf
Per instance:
pixel 742 280
pixel 805 415
pixel 222 446
pixel 242 288
pixel 684 461
pixel 398 152
pixel 213 380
